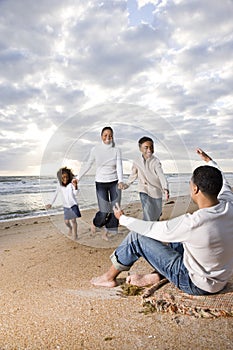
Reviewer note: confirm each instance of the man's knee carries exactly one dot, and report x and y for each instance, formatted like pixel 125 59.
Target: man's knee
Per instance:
pixel 132 236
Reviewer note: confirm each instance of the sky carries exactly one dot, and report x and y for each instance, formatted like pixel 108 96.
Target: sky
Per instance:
pixel 148 67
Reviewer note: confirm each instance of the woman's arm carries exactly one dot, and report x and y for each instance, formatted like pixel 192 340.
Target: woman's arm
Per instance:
pixel 87 166
pixel 119 166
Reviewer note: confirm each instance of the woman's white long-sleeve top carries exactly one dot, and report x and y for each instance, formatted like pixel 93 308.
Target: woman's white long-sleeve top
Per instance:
pixel 207 237
pixel 108 163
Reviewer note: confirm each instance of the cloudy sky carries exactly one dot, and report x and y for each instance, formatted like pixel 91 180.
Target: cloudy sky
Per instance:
pixel 156 67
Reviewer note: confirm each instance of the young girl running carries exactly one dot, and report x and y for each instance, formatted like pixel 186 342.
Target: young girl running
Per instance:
pixel 68 187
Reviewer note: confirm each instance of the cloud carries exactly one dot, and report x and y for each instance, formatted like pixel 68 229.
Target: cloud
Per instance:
pixel 71 143
pixel 59 59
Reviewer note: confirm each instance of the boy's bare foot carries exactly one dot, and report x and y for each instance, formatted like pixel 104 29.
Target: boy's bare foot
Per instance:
pixel 143 280
pixel 103 281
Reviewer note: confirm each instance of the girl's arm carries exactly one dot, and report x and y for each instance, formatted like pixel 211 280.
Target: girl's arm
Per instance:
pixel 74 186
pixel 48 206
pixel 75 183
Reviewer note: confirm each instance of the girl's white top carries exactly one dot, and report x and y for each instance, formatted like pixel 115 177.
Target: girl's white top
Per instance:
pixel 68 194
pixel 108 163
pixel 207 237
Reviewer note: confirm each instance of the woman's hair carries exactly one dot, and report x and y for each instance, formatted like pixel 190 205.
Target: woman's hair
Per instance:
pixel 208 179
pixel 144 139
pixel 62 171
pixel 109 128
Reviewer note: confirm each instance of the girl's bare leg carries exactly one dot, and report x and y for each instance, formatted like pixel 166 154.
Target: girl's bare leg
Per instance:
pixel 68 224
pixel 75 229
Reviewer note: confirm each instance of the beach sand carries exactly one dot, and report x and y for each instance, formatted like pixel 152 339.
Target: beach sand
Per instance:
pixel 47 301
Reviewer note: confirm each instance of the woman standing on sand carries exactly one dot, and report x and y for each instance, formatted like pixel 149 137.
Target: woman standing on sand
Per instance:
pixel 108 180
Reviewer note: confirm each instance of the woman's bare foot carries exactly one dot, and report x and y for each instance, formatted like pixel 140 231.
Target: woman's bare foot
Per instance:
pixel 105 236
pixel 111 234
pixel 103 281
pixel 143 280
pixel 93 229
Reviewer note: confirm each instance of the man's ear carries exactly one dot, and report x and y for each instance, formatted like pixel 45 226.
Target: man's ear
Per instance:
pixel 196 189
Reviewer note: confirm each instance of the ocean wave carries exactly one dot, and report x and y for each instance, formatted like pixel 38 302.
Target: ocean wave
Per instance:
pixel 22 197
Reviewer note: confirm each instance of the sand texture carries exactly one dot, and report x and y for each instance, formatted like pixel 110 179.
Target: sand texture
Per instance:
pixel 47 301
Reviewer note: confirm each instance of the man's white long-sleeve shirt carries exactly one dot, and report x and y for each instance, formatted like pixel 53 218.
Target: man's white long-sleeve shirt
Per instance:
pixel 207 237
pixel 108 163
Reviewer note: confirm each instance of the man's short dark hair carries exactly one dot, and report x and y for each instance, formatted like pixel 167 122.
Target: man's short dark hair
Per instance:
pixel 208 179
pixel 144 139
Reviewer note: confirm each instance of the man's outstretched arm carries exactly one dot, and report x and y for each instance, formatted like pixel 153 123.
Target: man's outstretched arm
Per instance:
pixel 226 191
pixel 203 155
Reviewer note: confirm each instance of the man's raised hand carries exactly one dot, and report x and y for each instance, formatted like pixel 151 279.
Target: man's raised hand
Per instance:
pixel 203 155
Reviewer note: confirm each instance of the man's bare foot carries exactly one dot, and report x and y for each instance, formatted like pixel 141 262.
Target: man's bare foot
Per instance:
pixel 103 281
pixel 143 280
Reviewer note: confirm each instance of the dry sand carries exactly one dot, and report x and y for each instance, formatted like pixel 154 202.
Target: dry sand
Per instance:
pixel 47 301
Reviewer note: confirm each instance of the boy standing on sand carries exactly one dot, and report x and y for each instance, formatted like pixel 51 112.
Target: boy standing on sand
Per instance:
pixel 151 180
pixel 202 262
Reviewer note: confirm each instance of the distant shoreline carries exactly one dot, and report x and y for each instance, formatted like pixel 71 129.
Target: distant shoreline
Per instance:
pixel 21 199
pixel 174 206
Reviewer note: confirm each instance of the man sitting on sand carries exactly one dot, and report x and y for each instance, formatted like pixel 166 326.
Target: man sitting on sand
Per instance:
pixel 202 262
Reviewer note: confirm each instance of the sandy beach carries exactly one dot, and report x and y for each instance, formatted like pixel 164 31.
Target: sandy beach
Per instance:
pixel 47 301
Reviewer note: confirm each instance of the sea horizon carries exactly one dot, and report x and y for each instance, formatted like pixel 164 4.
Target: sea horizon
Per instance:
pixel 26 196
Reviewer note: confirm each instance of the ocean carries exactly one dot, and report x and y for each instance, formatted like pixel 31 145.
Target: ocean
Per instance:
pixel 26 196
